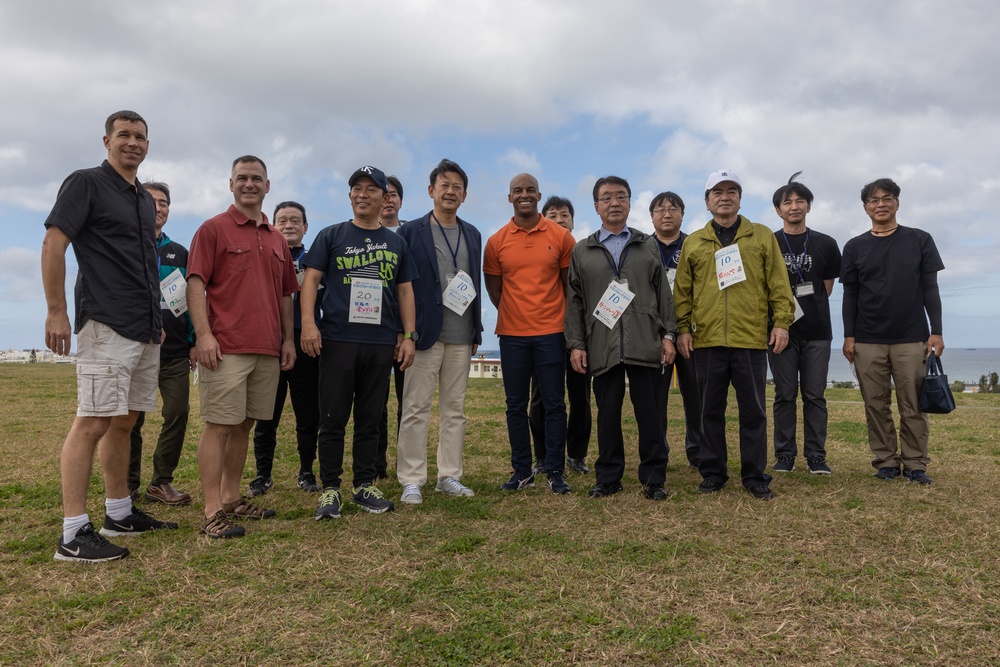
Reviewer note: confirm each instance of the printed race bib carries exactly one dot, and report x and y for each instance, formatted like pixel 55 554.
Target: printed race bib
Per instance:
pixel 729 266
pixel 671 277
pixel 366 301
pixel 173 288
pixel 459 293
pixel 612 304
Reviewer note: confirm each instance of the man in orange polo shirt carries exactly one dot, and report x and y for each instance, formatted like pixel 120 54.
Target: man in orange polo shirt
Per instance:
pixel 525 268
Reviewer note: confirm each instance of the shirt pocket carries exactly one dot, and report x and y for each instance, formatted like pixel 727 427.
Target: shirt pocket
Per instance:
pixel 238 256
pixel 278 265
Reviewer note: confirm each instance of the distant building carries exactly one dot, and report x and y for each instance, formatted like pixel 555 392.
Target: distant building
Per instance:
pixel 485 367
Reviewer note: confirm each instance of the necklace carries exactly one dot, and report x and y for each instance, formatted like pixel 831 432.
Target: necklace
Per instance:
pixel 884 232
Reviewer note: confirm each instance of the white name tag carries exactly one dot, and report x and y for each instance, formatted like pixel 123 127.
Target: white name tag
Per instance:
pixel 804 289
pixel 366 301
pixel 612 304
pixel 798 310
pixel 173 288
pixel 459 293
pixel 671 277
pixel 729 266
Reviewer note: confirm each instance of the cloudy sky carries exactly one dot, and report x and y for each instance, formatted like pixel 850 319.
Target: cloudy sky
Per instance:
pixel 659 93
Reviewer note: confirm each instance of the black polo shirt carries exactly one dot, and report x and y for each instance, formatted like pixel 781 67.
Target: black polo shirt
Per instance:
pixel 112 225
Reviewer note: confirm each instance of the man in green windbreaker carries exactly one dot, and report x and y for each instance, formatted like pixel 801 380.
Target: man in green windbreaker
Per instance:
pixel 729 274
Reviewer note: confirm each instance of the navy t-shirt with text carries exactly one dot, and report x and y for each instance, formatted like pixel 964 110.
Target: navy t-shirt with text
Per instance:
pixel 345 251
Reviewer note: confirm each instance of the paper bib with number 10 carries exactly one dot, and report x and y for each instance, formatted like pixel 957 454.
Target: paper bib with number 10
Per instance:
pixel 613 303
pixel 459 293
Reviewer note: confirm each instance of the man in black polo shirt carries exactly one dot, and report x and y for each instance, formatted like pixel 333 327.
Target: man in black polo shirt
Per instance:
pixel 110 220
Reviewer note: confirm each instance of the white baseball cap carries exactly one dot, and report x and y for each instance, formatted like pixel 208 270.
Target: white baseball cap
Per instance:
pixel 717 177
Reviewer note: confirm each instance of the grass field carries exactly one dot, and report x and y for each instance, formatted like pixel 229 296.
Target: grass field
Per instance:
pixel 844 570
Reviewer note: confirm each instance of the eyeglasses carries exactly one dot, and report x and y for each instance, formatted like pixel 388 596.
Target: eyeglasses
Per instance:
pixel 619 197
pixel 875 201
pixel 672 210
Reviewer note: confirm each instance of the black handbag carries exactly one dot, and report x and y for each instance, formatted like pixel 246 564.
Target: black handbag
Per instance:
pixel 936 396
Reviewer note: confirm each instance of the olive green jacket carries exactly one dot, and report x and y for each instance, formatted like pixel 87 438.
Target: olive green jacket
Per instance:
pixel 636 337
pixel 737 315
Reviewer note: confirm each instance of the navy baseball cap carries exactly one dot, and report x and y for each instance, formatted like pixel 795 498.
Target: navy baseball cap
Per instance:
pixel 371 172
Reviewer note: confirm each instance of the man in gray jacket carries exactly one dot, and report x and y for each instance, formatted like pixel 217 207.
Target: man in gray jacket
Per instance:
pixel 620 321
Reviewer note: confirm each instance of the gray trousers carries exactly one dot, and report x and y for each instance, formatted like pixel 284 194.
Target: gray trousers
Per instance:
pixel 802 365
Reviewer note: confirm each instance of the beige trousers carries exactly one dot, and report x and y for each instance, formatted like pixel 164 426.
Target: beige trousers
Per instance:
pixel 878 368
pixel 447 367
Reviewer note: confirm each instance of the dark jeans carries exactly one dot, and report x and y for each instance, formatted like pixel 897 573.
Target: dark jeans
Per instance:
pixel 746 370
pixel 351 375
pixel 175 390
pixel 302 381
pixel 545 357
pixel 644 388
pixel 687 380
pixel 580 421
pixel 804 363
pixel 381 463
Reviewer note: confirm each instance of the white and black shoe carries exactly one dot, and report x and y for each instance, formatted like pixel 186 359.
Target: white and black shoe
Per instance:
pixel 88 547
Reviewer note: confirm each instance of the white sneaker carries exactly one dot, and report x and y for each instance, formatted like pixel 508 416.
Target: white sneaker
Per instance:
pixel 412 495
pixel 453 487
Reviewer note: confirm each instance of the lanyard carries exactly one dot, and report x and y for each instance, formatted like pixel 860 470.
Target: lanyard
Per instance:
pixel 617 270
pixel 805 248
pixel 458 246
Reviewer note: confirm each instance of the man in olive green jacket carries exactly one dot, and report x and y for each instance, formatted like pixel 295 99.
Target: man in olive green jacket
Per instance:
pixel 620 321
pixel 729 273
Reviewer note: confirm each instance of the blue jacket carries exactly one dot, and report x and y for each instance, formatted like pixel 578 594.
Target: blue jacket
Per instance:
pixel 427 289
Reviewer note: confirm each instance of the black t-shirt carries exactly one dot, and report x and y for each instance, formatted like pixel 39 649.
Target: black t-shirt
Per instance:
pixel 811 257
pixel 887 271
pixel 345 251
pixel 112 225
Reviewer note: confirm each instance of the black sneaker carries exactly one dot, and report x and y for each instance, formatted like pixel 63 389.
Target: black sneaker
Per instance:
pixel 817 465
pixel 711 485
pixel 558 484
pixel 329 505
pixel 538 468
pixel 655 492
pixel 784 463
pixel 516 482
pixel 88 547
pixel 577 466
pixel 605 490
pixel 918 476
pixel 370 499
pixel 887 473
pixel 136 523
pixel 260 485
pixel 761 492
pixel 307 482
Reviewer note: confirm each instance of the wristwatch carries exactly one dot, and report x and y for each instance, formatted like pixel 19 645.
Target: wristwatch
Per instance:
pixel 412 335
pixel 670 337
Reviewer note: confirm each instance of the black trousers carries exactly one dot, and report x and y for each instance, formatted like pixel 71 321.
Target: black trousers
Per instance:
pixel 687 380
pixel 175 388
pixel 302 381
pixel 381 463
pixel 746 370
pixel 351 376
pixel 644 390
pixel 580 423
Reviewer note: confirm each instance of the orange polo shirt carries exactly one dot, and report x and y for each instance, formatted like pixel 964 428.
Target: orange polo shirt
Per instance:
pixel 532 302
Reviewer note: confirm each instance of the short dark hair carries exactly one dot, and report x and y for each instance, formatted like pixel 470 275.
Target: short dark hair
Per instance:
pixel 792 188
pixel 399 186
pixel 249 159
pixel 611 180
pixel 670 197
pixel 884 184
pixel 126 115
pixel 558 202
pixel 445 166
pixel 160 187
pixel 290 204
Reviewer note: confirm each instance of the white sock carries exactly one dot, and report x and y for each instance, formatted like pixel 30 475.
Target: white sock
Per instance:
pixel 72 525
pixel 118 508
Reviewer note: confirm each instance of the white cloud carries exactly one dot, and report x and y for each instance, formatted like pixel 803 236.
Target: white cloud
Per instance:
pixel 20 275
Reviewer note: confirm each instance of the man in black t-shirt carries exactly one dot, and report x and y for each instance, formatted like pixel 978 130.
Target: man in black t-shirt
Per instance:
pixel 813 261
pixel 890 292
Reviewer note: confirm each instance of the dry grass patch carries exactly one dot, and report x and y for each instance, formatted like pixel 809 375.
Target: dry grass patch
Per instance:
pixel 845 570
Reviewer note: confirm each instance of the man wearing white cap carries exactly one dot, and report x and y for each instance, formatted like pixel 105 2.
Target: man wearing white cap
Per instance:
pixel 737 270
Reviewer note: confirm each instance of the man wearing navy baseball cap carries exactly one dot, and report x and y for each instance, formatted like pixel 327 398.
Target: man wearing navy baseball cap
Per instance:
pixel 737 269
pixel 367 300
